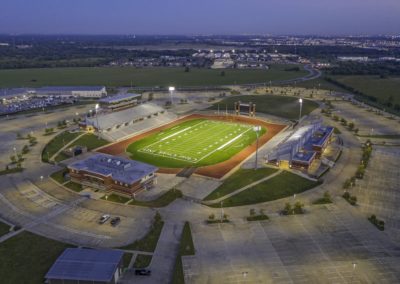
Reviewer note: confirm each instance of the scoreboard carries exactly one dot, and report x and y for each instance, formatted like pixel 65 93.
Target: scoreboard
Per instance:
pixel 248 109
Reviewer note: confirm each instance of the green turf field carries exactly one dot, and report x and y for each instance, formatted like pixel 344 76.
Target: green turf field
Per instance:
pixel 148 77
pixel 194 143
pixel 282 106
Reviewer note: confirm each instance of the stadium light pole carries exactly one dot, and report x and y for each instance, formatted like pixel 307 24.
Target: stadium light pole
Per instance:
pixel 97 120
pixel 171 91
pixel 256 130
pixel 301 104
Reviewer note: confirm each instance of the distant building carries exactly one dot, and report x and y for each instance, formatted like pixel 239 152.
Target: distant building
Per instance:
pixel 78 265
pixel 112 173
pixel 353 58
pixel 74 91
pixel 223 63
pixel 119 102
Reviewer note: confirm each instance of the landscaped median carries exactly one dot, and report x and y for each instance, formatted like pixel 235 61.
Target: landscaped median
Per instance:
pixel 186 248
pixel 282 185
pixel 148 243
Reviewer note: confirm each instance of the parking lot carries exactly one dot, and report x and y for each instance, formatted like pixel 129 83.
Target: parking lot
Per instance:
pixel 368 122
pixel 319 247
pixel 379 192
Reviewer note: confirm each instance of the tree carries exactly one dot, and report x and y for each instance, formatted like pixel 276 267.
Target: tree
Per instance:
pixel 19 135
pixel 351 125
pixel 211 217
pixel 353 200
pixel 13 159
pixel 298 208
pixel 25 149
pixel 287 209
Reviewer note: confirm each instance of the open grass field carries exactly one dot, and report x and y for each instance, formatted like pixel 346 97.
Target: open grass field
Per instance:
pixel 125 76
pixel 374 86
pixel 26 258
pixel 194 143
pixel 283 185
pixel 282 106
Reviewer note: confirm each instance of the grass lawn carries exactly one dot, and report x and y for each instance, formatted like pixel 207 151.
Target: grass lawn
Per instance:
pixel 4 229
pixel 186 248
pixel 161 201
pixel 142 261
pixel 116 198
pixel 11 171
pixel 61 157
pixel 238 180
pixel 149 241
pixel 91 141
pixel 319 83
pixel 282 106
pixel 186 245
pixel 126 259
pixel 374 86
pixel 74 186
pixel 194 143
pixel 57 143
pixel 26 258
pixel 124 76
pixel 59 176
pixel 283 185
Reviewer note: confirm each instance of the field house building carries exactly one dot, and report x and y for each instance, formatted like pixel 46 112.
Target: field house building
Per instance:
pixel 80 265
pixel 301 148
pixel 113 174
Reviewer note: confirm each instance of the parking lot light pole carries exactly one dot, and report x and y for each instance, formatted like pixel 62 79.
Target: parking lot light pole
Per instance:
pixel 301 104
pixel 256 130
pixel 222 211
pixel 171 91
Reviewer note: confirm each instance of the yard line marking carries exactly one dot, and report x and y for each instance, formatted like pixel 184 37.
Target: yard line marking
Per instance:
pixel 172 135
pixel 212 152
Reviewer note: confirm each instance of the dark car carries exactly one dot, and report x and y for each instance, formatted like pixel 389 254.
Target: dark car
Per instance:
pixel 115 221
pixel 143 272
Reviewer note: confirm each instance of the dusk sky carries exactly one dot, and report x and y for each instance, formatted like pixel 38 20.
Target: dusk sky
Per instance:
pixel 323 17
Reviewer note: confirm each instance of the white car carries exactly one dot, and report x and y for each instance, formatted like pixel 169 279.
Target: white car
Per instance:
pixel 104 218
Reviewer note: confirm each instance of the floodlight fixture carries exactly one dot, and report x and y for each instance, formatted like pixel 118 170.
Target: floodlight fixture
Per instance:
pixel 171 89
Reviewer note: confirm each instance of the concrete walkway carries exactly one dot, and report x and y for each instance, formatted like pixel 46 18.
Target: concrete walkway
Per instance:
pixel 210 202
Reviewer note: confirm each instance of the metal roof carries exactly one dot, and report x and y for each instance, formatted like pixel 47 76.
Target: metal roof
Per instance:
pixel 49 89
pixel 110 120
pixel 85 264
pixel 120 169
pixel 118 98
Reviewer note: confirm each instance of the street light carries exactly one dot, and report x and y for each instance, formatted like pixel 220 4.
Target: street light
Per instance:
pixel 256 130
pixel 171 91
pixel 97 120
pixel 301 104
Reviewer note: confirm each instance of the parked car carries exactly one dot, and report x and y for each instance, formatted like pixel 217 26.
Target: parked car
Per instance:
pixel 104 218
pixel 143 272
pixel 115 221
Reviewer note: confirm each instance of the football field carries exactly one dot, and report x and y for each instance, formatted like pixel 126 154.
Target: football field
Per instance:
pixel 194 143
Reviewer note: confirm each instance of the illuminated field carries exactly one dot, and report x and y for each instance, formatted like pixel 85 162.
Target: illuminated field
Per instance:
pixel 194 143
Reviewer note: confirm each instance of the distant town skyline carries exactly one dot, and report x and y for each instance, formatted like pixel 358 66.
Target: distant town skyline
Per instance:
pixel 187 17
